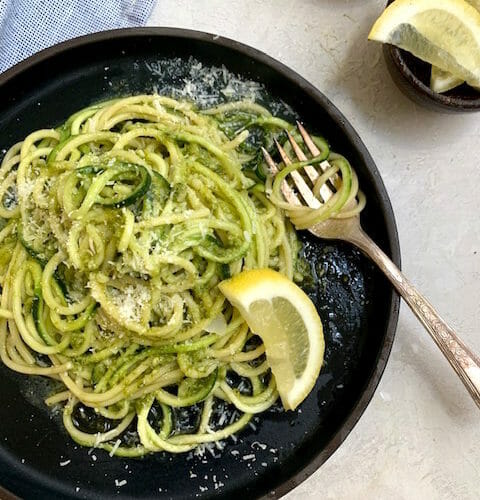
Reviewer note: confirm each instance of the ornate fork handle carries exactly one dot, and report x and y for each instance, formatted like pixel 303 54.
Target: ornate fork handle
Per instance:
pixel 465 363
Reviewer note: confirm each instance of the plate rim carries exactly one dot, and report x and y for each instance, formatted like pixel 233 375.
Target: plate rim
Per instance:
pixel 368 391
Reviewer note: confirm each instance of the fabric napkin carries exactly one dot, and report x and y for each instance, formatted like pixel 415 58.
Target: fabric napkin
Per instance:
pixel 27 26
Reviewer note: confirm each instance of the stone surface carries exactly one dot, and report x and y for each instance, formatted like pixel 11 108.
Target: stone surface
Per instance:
pixel 418 437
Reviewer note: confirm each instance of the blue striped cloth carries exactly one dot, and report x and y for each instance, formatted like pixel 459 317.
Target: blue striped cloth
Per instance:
pixel 27 26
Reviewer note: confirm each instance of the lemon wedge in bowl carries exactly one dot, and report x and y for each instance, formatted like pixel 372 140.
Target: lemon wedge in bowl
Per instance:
pixel 445 33
pixel 283 316
pixel 442 81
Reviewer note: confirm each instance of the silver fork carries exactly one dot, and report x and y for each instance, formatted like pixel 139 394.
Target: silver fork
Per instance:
pixel 462 359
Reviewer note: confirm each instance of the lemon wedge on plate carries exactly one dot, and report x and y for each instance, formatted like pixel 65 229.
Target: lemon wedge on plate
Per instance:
pixel 286 320
pixel 445 33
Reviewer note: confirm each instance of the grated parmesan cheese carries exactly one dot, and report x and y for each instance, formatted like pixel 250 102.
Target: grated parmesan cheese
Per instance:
pixel 130 302
pixel 25 189
pixel 115 447
pixel 98 440
pixel 258 446
pixel 206 85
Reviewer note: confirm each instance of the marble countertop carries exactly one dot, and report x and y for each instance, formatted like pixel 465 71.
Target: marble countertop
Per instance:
pixel 418 437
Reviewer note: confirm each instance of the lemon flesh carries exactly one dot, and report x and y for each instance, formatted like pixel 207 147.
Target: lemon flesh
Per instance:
pixel 445 33
pixel 286 320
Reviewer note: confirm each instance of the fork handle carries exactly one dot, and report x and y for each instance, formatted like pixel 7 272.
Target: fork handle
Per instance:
pixel 462 359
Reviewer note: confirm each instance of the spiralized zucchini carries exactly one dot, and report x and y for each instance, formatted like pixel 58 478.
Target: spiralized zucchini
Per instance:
pixel 117 228
pixel 336 174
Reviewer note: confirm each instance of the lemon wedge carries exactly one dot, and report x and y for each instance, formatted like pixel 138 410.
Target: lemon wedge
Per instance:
pixel 286 320
pixel 442 81
pixel 445 33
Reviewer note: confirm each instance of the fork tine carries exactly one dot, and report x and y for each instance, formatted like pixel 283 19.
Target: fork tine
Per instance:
pixel 334 181
pixel 308 140
pixel 270 163
pixel 299 181
pixel 296 148
pixel 287 191
pixel 283 154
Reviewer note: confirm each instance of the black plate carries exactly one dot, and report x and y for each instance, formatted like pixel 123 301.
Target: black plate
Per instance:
pixel 357 305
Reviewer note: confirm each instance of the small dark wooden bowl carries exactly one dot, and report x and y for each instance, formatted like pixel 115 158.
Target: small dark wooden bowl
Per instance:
pixel 412 77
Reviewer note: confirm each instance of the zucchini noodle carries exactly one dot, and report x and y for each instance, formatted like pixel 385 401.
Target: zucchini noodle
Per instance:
pixel 116 228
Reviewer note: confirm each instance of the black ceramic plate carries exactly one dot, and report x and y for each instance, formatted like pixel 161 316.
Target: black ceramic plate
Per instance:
pixel 357 306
